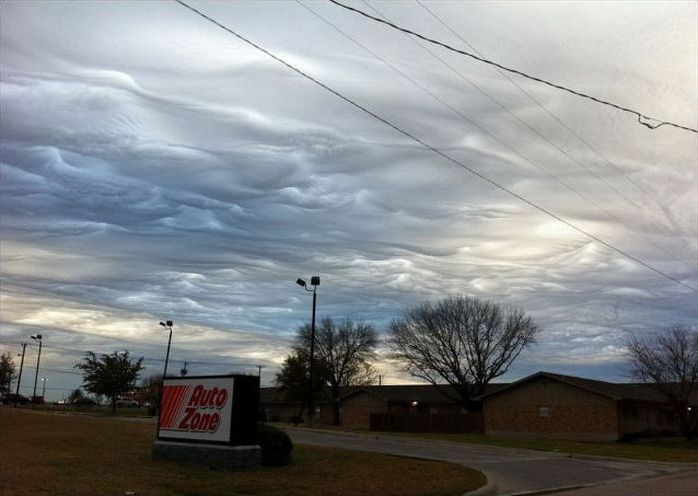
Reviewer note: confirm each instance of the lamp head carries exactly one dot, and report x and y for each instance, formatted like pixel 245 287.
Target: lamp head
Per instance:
pixel 37 337
pixel 300 282
pixel 162 324
pixel 315 280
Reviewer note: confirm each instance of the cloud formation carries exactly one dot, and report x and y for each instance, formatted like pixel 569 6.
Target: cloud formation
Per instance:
pixel 155 168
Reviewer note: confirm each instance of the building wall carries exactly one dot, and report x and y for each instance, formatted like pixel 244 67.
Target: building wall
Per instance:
pixel 280 412
pixel 548 408
pixel 645 419
pixel 357 410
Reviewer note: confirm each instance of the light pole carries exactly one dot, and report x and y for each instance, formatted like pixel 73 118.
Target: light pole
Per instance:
pixel 19 378
pixel 43 389
pixel 314 282
pixel 167 325
pixel 38 363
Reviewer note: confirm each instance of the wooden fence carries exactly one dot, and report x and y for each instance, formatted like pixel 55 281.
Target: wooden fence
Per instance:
pixel 428 422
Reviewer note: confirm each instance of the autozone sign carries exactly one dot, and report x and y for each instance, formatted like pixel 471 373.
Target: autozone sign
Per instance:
pixel 197 409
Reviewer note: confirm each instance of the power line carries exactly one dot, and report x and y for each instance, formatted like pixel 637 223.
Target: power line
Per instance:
pixel 516 117
pixel 435 150
pixel 537 102
pixel 641 118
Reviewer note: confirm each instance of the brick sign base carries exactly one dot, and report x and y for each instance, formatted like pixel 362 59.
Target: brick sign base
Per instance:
pixel 221 457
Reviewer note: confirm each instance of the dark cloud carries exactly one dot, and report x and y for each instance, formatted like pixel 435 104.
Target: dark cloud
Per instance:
pixel 154 168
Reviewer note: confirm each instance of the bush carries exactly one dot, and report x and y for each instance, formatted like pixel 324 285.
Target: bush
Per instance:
pixel 276 446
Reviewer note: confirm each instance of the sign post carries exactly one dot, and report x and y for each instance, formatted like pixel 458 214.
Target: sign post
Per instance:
pixel 209 420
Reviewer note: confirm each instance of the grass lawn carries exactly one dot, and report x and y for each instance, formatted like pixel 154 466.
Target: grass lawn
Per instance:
pixel 667 449
pixel 661 449
pixel 47 454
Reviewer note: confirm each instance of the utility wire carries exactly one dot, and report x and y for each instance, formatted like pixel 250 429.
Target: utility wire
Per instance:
pixel 641 118
pixel 460 114
pixel 558 119
pixel 541 136
pixel 433 149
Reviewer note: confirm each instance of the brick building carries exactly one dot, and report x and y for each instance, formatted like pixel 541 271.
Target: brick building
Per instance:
pixel 559 406
pixel 274 407
pixel 358 405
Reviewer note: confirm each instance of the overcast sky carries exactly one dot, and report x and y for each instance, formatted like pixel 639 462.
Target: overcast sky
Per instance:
pixel 155 167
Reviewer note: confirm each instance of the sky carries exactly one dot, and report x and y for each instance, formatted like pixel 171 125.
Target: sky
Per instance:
pixel 155 167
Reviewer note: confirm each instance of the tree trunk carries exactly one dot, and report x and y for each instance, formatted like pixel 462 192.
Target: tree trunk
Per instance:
pixel 336 420
pixel 113 405
pixel 298 417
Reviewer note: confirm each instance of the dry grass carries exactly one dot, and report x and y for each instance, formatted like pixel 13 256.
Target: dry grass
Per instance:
pixel 653 449
pixel 665 449
pixel 46 454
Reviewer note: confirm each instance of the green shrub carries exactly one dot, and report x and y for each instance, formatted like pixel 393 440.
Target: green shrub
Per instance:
pixel 276 445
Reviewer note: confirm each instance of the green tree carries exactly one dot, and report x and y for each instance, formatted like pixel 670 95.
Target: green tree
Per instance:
pixel 110 375
pixel 7 372
pixel 294 379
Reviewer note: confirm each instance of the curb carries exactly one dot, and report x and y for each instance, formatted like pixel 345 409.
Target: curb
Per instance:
pixel 489 489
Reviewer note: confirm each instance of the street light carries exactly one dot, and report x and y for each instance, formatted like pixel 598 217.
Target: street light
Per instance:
pixel 19 378
pixel 38 362
pixel 43 389
pixel 167 325
pixel 314 282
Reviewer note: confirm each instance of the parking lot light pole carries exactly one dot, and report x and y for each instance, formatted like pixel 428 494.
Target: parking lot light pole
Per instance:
pixel 38 364
pixel 43 389
pixel 314 282
pixel 167 325
pixel 19 377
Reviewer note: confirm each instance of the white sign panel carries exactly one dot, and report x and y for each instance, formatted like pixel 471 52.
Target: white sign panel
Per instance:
pixel 197 409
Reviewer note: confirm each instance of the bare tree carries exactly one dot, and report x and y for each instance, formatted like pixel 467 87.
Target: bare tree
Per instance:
pixel 668 360
pixel 465 342
pixel 343 350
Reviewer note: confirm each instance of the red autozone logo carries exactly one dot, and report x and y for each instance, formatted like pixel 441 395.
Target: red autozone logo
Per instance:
pixel 192 408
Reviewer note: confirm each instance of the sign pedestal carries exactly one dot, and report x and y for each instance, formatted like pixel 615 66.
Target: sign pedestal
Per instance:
pixel 213 456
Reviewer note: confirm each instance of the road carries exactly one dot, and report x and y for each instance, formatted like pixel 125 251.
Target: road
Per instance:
pixel 511 471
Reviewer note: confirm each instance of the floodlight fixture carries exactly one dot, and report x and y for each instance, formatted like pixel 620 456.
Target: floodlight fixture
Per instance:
pixel 300 282
pixel 315 280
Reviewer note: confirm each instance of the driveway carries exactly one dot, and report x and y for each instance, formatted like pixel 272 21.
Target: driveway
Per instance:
pixel 511 471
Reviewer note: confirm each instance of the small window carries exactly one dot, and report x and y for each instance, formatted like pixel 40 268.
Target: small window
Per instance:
pixel 543 411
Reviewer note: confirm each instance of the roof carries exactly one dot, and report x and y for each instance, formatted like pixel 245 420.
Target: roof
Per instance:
pixel 617 391
pixel 423 393
pixel 269 395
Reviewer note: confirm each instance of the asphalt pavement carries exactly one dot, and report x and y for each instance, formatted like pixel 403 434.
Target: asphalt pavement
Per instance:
pixel 510 471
